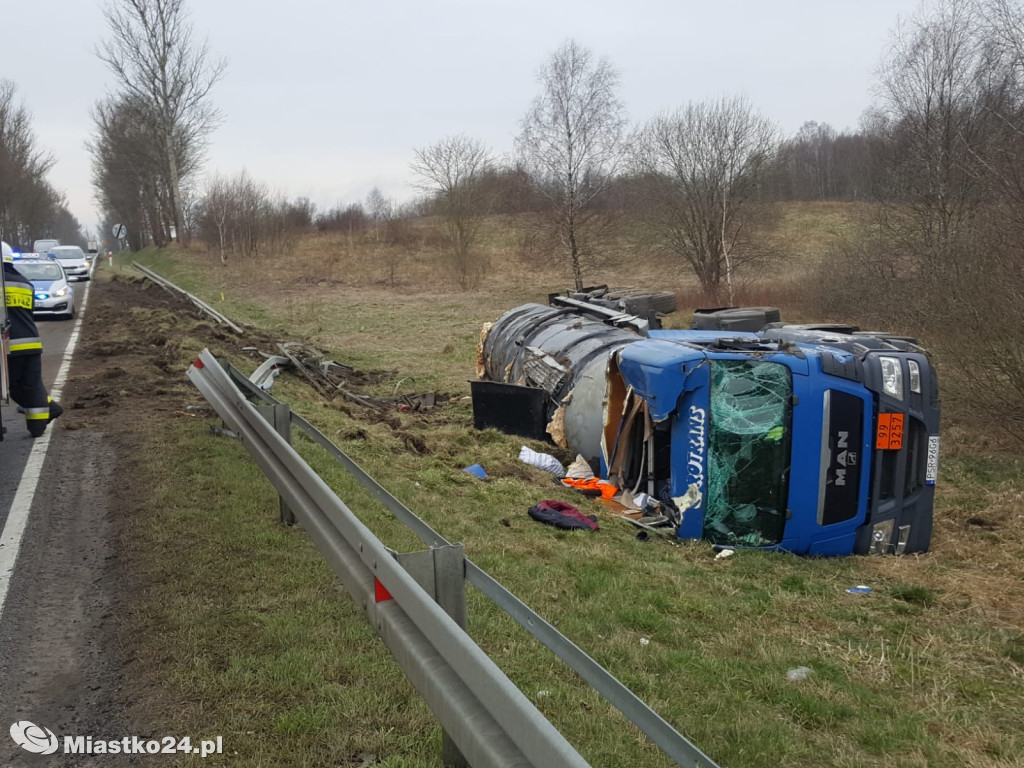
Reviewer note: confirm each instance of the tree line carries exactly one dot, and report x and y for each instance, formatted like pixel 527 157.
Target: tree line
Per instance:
pixel 701 178
pixel 936 159
pixel 30 208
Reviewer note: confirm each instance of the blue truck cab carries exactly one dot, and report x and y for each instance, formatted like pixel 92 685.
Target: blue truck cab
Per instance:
pixel 818 440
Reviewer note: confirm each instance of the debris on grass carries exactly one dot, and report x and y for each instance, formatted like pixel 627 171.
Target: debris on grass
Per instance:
pixel 799 673
pixel 544 461
pixel 561 514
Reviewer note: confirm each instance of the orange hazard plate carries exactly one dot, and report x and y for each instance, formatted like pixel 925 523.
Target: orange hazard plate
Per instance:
pixel 889 436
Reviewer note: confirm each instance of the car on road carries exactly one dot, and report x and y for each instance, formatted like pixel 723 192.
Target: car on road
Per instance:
pixel 54 295
pixel 42 247
pixel 72 259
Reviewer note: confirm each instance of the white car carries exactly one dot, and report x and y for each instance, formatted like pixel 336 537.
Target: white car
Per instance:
pixel 72 259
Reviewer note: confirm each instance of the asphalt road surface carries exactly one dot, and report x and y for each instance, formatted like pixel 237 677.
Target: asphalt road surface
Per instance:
pixel 58 662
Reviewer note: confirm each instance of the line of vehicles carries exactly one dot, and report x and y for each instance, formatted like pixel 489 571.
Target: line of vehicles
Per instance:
pixel 52 268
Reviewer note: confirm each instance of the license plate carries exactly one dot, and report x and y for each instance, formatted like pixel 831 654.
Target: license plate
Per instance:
pixel 931 470
pixel 889 435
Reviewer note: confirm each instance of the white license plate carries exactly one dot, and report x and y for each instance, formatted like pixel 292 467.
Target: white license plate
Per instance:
pixel 931 472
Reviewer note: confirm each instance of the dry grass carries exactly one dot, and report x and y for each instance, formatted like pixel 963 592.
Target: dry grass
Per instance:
pixel 928 669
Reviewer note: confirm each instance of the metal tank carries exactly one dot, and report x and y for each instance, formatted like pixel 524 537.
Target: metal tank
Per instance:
pixel 566 354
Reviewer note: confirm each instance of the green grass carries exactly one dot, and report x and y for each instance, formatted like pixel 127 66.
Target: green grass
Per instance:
pixel 245 632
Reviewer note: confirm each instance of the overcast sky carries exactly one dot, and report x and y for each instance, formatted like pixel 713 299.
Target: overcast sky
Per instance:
pixel 328 99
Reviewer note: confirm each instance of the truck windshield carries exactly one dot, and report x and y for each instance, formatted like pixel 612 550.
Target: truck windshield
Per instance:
pixel 748 452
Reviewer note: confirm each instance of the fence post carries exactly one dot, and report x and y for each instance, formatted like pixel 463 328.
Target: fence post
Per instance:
pixel 280 415
pixel 441 571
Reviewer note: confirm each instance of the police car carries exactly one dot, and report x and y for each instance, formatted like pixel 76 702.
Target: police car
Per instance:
pixel 53 293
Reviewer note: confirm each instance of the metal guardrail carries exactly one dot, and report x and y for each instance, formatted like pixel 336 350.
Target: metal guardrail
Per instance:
pixel 487 741
pixel 671 742
pixel 490 720
pixel 169 286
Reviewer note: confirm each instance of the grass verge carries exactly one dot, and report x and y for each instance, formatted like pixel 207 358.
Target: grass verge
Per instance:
pixel 242 630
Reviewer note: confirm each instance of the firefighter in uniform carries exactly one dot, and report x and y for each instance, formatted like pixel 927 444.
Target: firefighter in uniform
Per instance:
pixel 25 351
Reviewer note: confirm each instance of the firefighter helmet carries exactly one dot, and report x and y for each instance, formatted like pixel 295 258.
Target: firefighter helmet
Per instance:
pixel 8 253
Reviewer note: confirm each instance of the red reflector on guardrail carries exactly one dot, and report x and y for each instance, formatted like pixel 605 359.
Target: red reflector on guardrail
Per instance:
pixel 379 593
pixel 198 363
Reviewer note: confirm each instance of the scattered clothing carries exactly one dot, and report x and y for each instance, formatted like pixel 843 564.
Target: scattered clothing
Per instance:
pixel 663 490
pixel 592 486
pixel 562 515
pixel 579 469
pixel 542 461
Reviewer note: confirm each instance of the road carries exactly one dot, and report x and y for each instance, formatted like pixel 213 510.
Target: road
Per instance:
pixel 58 663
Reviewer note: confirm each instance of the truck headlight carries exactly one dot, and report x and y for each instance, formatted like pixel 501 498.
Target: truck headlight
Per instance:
pixel 892 377
pixel 915 376
pixel 881 537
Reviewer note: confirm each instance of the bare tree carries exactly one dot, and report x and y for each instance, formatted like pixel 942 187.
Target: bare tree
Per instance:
pixel 157 63
pixel 217 206
pixel 571 143
pixel 28 204
pixel 937 128
pixel 244 216
pixel 381 209
pixel 452 171
pixel 129 170
pixel 1002 24
pixel 702 167
pixel 943 255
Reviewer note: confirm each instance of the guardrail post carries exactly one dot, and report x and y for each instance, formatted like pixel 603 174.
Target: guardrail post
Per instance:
pixel 280 415
pixel 441 571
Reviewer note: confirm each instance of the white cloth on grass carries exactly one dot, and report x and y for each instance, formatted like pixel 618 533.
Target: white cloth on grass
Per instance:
pixel 541 461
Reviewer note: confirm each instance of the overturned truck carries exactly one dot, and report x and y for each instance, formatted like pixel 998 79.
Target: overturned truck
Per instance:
pixel 815 439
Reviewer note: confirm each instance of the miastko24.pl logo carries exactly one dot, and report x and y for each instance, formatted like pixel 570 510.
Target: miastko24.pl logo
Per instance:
pixel 43 741
pixel 34 738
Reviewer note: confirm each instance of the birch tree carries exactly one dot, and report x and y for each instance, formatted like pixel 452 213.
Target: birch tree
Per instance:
pixel 702 167
pixel 156 61
pixel 571 144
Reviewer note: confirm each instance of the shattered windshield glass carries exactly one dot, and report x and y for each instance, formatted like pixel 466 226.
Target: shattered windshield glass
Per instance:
pixel 748 452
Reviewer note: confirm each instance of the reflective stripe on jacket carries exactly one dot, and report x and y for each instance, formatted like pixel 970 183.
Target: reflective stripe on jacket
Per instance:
pixel 19 296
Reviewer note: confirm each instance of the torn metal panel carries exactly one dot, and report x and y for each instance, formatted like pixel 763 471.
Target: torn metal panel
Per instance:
pixel 616 402
pixel 657 371
pixel 557 350
pixel 263 377
pixel 541 370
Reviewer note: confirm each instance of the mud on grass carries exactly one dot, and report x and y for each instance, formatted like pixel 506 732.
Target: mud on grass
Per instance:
pixel 240 628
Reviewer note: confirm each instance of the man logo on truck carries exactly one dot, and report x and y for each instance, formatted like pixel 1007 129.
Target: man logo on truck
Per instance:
pixel 845 457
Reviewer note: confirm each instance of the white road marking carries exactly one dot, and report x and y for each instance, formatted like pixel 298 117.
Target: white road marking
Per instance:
pixel 17 518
